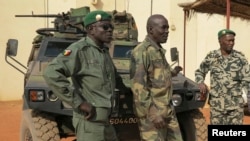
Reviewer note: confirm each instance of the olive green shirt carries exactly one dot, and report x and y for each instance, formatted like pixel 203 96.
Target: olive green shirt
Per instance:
pixel 84 72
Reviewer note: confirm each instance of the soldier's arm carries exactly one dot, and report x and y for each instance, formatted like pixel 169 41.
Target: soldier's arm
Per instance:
pixel 138 75
pixel 57 75
pixel 245 74
pixel 201 72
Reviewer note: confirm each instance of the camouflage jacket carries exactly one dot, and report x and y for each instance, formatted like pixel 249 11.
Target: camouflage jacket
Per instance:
pixel 151 77
pixel 228 75
pixel 91 70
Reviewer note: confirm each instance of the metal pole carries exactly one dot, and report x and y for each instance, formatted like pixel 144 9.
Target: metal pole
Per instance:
pixel 228 14
pixel 151 7
pixel 184 41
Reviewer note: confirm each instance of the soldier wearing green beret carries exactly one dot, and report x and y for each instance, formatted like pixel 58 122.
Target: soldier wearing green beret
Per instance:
pixel 229 74
pixel 94 78
pixel 225 32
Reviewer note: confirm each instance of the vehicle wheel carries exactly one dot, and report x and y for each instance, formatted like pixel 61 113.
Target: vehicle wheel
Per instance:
pixel 193 125
pixel 37 126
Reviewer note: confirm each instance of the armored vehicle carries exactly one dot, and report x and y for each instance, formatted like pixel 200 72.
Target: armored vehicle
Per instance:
pixel 47 118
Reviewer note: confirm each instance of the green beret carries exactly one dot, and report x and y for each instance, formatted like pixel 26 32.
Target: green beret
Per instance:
pixel 96 16
pixel 224 32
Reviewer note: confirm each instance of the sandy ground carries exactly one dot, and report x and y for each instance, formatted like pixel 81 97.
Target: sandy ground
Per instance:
pixel 10 117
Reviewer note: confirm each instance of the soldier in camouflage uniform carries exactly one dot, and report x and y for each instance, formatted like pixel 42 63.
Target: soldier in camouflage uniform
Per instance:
pixel 229 74
pixel 88 64
pixel 151 84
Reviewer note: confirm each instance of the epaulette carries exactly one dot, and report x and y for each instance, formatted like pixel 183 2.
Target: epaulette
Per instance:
pixel 213 53
pixel 239 53
pixel 73 48
pixel 145 44
pixel 80 44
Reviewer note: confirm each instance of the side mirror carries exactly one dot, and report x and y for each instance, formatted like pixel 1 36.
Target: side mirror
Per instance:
pixel 11 49
pixel 174 54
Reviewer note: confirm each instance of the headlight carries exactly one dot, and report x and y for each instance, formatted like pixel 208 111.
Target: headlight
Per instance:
pixel 36 95
pixel 176 100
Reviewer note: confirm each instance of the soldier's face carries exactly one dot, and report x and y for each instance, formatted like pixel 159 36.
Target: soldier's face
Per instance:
pixel 102 31
pixel 160 30
pixel 227 43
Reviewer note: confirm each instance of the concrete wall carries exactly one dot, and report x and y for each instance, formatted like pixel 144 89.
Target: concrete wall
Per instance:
pixel 201 31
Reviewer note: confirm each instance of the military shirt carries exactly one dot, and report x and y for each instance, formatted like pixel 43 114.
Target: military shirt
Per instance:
pixel 228 75
pixel 150 76
pixel 84 72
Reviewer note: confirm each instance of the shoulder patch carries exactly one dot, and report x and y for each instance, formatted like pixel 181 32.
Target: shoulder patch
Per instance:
pixel 67 52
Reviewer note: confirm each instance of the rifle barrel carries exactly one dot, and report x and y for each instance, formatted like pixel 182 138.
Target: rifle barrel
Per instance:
pixel 41 16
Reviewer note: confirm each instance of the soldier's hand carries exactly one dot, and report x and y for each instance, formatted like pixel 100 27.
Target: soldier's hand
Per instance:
pixel 88 110
pixel 203 88
pixel 156 119
pixel 159 122
pixel 177 70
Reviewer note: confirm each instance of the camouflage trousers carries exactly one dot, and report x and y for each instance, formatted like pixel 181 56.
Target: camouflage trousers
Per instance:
pixel 97 129
pixel 226 117
pixel 170 133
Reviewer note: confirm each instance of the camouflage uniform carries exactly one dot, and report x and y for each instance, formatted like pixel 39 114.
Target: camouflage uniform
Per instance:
pixel 151 85
pixel 228 75
pixel 94 80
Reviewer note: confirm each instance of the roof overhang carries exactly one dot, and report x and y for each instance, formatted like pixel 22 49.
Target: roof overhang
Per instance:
pixel 238 8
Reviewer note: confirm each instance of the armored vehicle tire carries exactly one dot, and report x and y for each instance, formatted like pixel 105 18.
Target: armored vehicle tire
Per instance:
pixel 193 125
pixel 37 126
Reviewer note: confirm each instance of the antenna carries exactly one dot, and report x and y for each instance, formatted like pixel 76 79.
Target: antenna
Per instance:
pixel 115 4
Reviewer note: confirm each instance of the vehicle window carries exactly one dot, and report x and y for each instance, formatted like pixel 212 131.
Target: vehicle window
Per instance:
pixel 121 51
pixel 54 48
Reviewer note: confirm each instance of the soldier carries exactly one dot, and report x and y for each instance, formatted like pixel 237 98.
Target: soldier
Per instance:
pixel 151 84
pixel 229 74
pixel 94 78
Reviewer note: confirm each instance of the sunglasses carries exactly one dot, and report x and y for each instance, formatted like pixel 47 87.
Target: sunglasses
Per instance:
pixel 106 26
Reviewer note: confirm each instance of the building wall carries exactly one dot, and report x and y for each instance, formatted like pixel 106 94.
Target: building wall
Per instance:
pixel 23 29
pixel 201 32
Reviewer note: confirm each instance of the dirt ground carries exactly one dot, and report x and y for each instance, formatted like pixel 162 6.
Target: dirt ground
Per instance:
pixel 10 117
